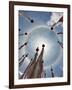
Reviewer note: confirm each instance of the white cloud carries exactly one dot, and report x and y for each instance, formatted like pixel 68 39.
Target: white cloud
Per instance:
pixel 54 18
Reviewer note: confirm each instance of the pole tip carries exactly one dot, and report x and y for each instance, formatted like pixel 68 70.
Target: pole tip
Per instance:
pixel 25 43
pixel 37 49
pixel 27 55
pixel 32 21
pixel 51 28
pixel 43 45
pixel 25 33
pixel 19 29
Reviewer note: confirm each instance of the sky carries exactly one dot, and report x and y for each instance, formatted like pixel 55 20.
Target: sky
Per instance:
pixel 39 32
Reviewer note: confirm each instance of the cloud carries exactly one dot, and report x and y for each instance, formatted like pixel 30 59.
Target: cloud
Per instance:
pixel 54 18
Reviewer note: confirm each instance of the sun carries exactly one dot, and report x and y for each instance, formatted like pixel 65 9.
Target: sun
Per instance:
pixel 40 42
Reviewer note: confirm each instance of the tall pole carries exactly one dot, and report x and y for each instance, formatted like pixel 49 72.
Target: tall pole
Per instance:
pixel 38 69
pixel 23 45
pixel 60 33
pixel 60 20
pixel 21 57
pixel 52 73
pixel 26 17
pixel 28 72
pixel 60 43
pixel 20 62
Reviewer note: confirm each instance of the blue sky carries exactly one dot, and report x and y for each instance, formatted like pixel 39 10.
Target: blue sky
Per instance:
pixel 53 57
